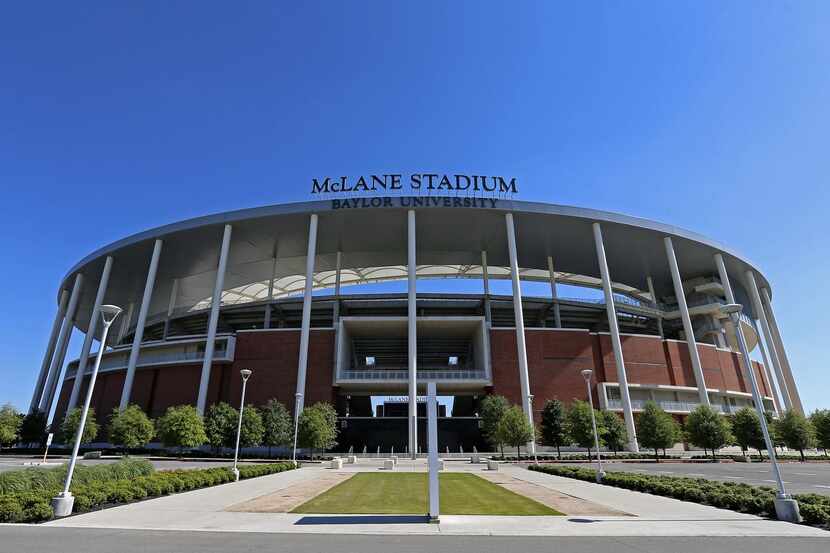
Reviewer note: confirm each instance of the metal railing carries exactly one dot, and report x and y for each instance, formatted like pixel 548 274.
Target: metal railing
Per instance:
pixel 666 405
pixel 402 376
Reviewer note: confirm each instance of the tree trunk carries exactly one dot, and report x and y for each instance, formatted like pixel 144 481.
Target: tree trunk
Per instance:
pixel 518 453
pixel 589 454
pixel 713 455
pixel 559 453
pixel 801 451
pixel 501 447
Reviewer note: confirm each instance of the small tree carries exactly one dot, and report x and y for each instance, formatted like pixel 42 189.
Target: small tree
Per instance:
pixel 553 425
pixel 820 420
pixel 514 429
pixel 656 429
pixel 250 435
pixel 795 431
pixel 131 427
pixel 580 427
pixel 73 420
pixel 491 410
pixel 10 422
pixel 317 427
pixel 707 429
pixel 181 427
pixel 220 425
pixel 616 435
pixel 746 427
pixel 33 428
pixel 277 424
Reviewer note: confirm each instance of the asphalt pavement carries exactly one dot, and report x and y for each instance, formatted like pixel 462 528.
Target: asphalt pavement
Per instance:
pixel 24 539
pixel 798 477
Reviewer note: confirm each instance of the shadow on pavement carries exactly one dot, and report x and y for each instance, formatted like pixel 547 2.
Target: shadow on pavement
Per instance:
pixel 363 519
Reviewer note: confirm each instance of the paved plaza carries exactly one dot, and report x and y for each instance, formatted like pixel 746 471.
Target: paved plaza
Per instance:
pixel 216 509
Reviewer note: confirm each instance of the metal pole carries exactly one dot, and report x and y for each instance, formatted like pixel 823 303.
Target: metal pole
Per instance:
pixel 62 504
pixel 297 399
pixel 245 374
pixel 600 472
pixel 305 328
pixel 412 339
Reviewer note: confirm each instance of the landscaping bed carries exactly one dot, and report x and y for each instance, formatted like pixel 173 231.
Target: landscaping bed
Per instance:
pixel 756 500
pixel 25 495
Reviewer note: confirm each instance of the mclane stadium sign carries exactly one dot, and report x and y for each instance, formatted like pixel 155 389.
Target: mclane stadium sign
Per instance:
pixel 416 183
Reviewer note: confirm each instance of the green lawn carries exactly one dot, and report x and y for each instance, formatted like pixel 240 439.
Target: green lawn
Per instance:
pixel 406 493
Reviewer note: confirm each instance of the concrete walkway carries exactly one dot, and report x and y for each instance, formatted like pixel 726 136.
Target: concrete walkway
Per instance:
pixel 209 510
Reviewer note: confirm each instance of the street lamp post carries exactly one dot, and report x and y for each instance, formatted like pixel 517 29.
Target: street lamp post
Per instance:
pixel 586 374
pixel 63 502
pixel 786 508
pixel 246 374
pixel 298 397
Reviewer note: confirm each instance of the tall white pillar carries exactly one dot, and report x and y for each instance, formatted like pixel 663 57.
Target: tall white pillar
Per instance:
pixel 338 268
pixel 616 344
pixel 687 322
pixel 518 313
pixel 557 316
pixel 412 325
pixel 125 322
pixel 653 295
pixel 485 274
pixel 138 336
pixel 795 398
pixel 213 320
pixel 60 348
pixel 758 307
pixel 171 307
pixel 776 401
pixel 50 351
pixel 268 308
pixel 305 330
pixel 90 333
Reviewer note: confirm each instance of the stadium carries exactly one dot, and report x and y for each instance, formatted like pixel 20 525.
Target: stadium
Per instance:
pixel 305 295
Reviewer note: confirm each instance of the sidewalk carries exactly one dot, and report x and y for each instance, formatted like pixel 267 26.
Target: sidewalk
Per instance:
pixel 209 510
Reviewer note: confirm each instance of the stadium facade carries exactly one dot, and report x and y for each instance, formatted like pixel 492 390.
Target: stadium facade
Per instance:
pixel 263 289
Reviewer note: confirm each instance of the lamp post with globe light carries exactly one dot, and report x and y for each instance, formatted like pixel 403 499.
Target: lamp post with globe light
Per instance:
pixel 246 374
pixel 586 374
pixel 62 503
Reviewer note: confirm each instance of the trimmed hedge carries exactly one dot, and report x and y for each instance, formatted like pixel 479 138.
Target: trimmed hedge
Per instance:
pixel 38 480
pixel 35 506
pixel 756 500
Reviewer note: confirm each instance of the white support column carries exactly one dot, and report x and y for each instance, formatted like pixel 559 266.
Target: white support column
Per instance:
pixel 486 277
pixel 267 322
pixel 412 324
pixel 305 330
pixel 758 307
pixel 616 344
pixel 557 316
pixel 60 348
pixel 432 452
pixel 90 334
pixel 766 300
pixel 518 313
pixel 171 306
pixel 776 401
pixel 213 321
pixel 687 322
pixel 338 268
pixel 125 322
pixel 149 285
pixel 653 295
pixel 50 351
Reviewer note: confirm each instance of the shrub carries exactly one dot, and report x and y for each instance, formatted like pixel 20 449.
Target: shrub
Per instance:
pixel 795 431
pixel 514 429
pixel 33 428
pixel 491 410
pixel 181 427
pixel 51 480
pixel 616 435
pixel 552 428
pixel 70 424
pixel 220 425
pixel 317 427
pixel 130 427
pixel 707 429
pixel 10 421
pixel 656 429
pixel 580 427
pixel 820 419
pixel 279 430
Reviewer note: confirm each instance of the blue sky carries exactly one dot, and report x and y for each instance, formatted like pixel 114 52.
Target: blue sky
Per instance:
pixel 709 115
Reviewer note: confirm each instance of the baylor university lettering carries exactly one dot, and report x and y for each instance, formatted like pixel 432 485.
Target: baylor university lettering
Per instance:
pixel 416 182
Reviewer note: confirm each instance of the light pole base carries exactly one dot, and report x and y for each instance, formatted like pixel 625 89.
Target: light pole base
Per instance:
pixel 62 504
pixel 786 509
pixel 600 476
pixel 235 472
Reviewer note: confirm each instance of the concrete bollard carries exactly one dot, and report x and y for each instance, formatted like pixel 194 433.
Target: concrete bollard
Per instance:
pixel 492 465
pixel 395 459
pixel 336 463
pixel 351 459
pixel 440 464
pixel 475 459
pixel 388 464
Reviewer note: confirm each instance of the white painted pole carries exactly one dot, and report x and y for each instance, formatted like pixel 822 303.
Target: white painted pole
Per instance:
pixel 138 336
pixel 616 344
pixel 557 316
pixel 298 400
pixel 90 334
pixel 412 338
pixel 337 275
pixel 213 321
pixel 432 443
pixel 50 351
pixel 776 400
pixel 653 295
pixel 246 373
pixel 773 352
pixel 305 329
pixel 586 374
pixel 60 348
pixel 485 273
pixel 687 322
pixel 518 313
pixel 171 307
pixel 125 323
pixel 766 300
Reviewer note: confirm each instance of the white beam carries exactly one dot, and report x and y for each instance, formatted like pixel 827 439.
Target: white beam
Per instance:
pixel 653 295
pixel 50 351
pixel 305 329
pixel 557 316
pixel 766 300
pixel 412 337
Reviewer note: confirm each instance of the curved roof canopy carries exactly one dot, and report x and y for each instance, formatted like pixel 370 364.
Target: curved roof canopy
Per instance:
pixel 269 246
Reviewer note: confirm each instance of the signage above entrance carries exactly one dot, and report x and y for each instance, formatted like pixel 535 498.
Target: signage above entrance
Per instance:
pixel 417 183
